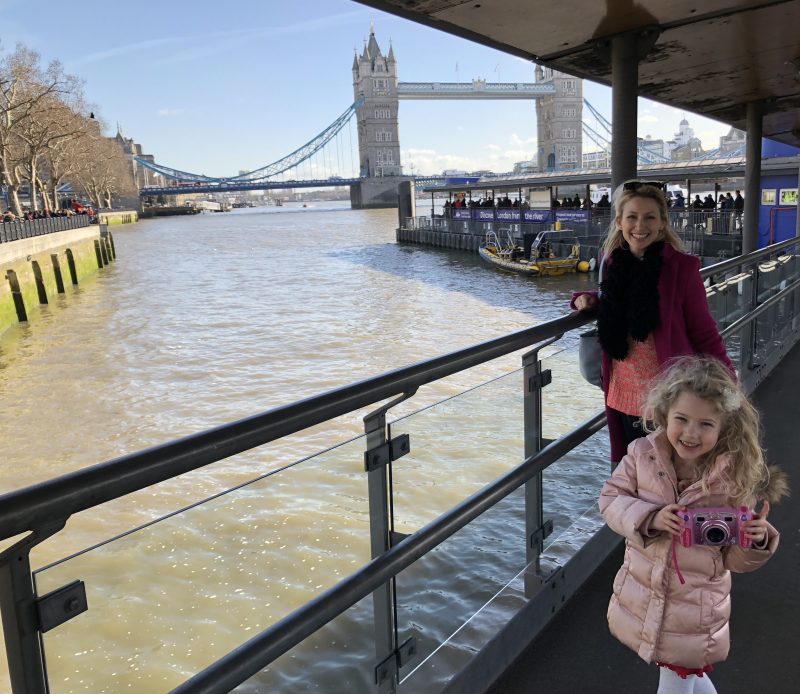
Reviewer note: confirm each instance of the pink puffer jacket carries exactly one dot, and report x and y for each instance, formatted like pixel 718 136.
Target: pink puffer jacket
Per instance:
pixel 650 611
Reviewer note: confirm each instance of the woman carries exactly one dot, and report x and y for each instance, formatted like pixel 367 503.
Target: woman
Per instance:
pixel 652 307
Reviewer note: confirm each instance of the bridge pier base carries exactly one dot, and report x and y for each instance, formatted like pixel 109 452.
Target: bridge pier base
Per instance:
pixel 376 192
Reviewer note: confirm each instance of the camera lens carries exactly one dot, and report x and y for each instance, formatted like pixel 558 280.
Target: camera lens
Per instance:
pixel 716 536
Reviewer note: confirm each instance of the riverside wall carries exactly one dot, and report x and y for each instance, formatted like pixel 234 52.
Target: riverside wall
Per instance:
pixel 38 269
pixel 118 217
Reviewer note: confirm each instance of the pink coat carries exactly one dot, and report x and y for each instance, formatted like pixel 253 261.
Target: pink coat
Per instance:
pixel 686 325
pixel 650 611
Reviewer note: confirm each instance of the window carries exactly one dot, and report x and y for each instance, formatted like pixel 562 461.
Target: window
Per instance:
pixel 383 136
pixel 568 85
pixel 567 153
pixel 385 156
pixel 568 133
pixel 379 86
pixel 383 113
pixel 569 113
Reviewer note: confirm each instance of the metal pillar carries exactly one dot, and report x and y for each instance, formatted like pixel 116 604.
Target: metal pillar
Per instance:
pixel 21 622
pixel 624 86
pixel 752 177
pixel 536 529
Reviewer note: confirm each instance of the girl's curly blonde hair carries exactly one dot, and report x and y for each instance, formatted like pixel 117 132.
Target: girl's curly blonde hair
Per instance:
pixel 749 478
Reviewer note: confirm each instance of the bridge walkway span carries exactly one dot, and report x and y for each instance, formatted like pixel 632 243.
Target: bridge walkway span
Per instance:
pixel 577 654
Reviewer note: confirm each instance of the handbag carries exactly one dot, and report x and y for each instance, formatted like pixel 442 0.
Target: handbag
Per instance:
pixel 590 357
pixel 590 352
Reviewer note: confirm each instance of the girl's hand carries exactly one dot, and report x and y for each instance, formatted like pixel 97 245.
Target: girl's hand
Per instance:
pixel 667 519
pixel 756 529
pixel 585 302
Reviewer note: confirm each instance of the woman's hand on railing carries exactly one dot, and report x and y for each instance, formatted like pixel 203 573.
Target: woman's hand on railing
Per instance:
pixel 585 302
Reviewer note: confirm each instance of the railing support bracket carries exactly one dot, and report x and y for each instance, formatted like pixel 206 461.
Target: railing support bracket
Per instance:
pixel 61 605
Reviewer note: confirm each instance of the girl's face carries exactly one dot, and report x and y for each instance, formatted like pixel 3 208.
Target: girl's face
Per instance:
pixel 641 223
pixel 693 427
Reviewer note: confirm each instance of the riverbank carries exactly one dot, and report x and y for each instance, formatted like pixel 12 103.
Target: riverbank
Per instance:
pixel 41 268
pixel 118 217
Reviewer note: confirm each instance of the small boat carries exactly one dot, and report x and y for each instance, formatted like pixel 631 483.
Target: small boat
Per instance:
pixel 543 254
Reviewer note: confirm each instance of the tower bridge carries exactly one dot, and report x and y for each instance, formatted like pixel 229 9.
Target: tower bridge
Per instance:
pixel 375 171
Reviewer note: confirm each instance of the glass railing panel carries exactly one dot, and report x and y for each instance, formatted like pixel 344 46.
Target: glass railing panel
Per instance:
pixel 168 599
pixel 730 297
pixel 457 446
pixel 442 592
pixel 571 489
pixel 464 444
pixel 568 400
pixel 337 659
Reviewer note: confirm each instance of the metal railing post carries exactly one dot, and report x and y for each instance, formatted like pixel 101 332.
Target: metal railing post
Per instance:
pixel 378 490
pixel 536 530
pixel 21 624
pixel 390 655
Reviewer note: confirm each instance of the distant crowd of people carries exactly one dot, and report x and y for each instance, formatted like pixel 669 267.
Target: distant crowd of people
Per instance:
pixel 497 203
pixel 70 209
pixel 726 203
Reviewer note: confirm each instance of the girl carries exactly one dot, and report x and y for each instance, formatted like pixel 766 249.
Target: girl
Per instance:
pixel 671 603
pixel 652 307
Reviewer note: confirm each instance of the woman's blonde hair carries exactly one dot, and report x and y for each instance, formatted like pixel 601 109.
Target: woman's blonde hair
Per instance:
pixel 748 478
pixel 622 195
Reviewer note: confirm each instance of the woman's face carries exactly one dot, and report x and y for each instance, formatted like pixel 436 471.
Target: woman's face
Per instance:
pixel 641 224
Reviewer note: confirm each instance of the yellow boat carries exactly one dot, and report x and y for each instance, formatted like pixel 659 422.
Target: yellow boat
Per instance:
pixel 551 253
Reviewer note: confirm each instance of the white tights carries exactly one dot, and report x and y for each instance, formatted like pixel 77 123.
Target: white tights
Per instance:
pixel 672 683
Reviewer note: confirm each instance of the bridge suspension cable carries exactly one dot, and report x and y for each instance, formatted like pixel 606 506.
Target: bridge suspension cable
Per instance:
pixel 290 161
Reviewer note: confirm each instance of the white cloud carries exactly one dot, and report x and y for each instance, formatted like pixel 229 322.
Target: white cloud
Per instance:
pixel 494 148
pixel 649 119
pixel 169 112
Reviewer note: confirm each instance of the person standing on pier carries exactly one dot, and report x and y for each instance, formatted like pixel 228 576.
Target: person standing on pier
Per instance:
pixel 651 307
pixel 671 598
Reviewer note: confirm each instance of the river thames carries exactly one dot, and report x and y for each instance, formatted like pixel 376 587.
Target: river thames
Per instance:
pixel 207 319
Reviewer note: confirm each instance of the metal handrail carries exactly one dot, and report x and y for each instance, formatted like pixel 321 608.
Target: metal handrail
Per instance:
pixel 734 263
pixel 251 657
pixel 37 505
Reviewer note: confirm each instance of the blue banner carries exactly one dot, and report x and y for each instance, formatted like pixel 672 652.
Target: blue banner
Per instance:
pixel 461 213
pixel 484 214
pixel 540 216
pixel 572 215
pixel 508 215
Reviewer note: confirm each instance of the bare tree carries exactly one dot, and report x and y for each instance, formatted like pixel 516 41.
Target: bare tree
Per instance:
pixel 25 87
pixel 103 170
pixel 62 155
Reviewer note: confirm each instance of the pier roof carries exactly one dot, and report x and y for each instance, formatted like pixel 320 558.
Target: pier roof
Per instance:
pixel 711 58
pixel 675 171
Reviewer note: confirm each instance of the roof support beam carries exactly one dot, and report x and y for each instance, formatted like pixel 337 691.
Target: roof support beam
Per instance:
pixel 624 108
pixel 752 176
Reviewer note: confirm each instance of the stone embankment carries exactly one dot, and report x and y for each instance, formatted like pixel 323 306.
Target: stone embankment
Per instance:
pixel 45 258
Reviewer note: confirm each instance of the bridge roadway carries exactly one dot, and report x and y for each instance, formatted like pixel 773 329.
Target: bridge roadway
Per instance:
pixel 577 655
pixel 199 187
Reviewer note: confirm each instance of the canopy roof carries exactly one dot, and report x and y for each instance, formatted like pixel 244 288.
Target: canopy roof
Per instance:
pixel 710 57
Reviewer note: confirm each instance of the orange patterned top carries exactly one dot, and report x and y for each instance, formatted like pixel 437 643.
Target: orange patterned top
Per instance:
pixel 630 379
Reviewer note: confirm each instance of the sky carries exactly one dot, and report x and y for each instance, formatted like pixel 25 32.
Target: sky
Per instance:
pixel 216 88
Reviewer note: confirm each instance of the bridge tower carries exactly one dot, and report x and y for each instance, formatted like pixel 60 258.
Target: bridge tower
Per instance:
pixel 375 78
pixel 559 122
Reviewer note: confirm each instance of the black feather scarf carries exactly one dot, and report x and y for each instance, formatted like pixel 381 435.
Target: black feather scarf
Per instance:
pixel 629 299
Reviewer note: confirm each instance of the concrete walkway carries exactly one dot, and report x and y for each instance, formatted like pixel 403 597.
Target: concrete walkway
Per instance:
pixel 577 655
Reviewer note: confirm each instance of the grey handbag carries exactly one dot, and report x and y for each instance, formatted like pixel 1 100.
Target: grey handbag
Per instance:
pixel 590 353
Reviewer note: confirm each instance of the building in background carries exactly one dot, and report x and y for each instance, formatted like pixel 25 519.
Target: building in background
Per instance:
pixel 375 78
pixel 559 122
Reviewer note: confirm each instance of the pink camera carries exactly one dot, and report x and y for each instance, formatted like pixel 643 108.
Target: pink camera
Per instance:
pixel 718 527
